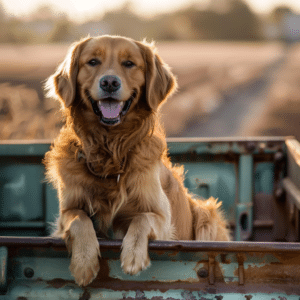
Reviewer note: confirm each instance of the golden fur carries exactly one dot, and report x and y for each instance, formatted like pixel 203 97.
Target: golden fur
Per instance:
pixel 149 201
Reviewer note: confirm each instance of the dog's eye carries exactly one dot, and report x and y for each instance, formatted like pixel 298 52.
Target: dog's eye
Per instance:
pixel 128 64
pixel 94 62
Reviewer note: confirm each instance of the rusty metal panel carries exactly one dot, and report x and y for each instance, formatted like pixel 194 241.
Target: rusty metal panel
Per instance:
pixel 179 270
pixel 246 174
pixel 219 167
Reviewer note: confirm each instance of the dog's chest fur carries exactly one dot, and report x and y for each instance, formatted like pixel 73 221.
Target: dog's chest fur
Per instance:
pixel 101 194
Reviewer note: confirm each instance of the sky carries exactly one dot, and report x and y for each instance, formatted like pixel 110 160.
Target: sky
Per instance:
pixel 85 9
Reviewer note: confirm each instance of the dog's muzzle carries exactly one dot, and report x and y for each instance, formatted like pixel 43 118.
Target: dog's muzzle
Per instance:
pixel 109 110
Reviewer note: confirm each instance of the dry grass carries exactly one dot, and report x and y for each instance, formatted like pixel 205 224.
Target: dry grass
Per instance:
pixel 23 116
pixel 205 72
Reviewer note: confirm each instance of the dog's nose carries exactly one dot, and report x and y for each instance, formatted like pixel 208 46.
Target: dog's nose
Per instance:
pixel 110 83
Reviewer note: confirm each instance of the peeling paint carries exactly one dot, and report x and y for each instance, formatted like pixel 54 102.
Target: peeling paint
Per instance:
pixel 272 270
pixel 259 260
pixel 187 295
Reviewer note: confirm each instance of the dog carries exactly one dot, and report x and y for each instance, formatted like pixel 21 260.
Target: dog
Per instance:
pixel 109 163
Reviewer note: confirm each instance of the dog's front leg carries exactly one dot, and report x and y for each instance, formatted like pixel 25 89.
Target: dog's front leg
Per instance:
pixel 144 226
pixel 153 223
pixel 77 230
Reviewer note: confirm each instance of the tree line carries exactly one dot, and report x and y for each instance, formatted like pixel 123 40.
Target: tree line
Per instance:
pixel 220 20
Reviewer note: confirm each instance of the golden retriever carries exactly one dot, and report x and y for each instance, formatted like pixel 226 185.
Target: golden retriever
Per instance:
pixel 109 163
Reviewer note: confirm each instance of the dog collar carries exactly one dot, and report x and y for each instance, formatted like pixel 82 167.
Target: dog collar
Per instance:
pixel 79 155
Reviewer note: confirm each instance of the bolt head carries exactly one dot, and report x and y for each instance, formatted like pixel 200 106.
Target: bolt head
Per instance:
pixel 203 273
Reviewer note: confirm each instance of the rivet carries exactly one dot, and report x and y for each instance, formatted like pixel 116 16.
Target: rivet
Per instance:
pixel 278 156
pixel 251 146
pixel 28 272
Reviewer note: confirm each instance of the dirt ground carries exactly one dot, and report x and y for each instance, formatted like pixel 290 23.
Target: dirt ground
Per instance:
pixel 206 73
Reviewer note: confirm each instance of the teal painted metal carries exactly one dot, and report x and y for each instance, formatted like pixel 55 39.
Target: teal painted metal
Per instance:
pixel 27 207
pixel 236 171
pixel 23 149
pixel 215 179
pixel 244 207
pixel 51 208
pixel 234 270
pixel 40 289
pixel 245 174
pixel 223 168
pixel 264 178
pixel 22 195
pixel 19 182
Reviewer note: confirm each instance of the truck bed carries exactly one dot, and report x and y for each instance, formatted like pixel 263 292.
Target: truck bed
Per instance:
pixel 257 179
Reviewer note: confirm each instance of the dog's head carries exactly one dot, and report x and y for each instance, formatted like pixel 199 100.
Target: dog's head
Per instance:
pixel 113 76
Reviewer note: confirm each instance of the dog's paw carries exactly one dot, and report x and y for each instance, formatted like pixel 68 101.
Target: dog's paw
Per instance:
pixel 85 263
pixel 135 258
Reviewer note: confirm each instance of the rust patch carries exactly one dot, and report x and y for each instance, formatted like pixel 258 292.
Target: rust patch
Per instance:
pixel 171 254
pixel 224 259
pixel 103 280
pixel 273 272
pixel 218 274
pixel 241 272
pixel 211 270
pixel 103 274
pixel 288 258
pixel 58 283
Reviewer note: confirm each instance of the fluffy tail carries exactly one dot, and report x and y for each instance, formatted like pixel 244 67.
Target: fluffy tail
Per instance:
pixel 209 221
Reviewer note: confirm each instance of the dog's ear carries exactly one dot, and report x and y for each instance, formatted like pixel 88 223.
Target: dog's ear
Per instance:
pixel 62 84
pixel 159 80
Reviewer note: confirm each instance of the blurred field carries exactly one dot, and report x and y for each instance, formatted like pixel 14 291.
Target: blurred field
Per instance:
pixel 280 114
pixel 206 72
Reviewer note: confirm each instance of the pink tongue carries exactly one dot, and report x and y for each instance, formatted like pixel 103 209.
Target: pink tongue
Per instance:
pixel 110 109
